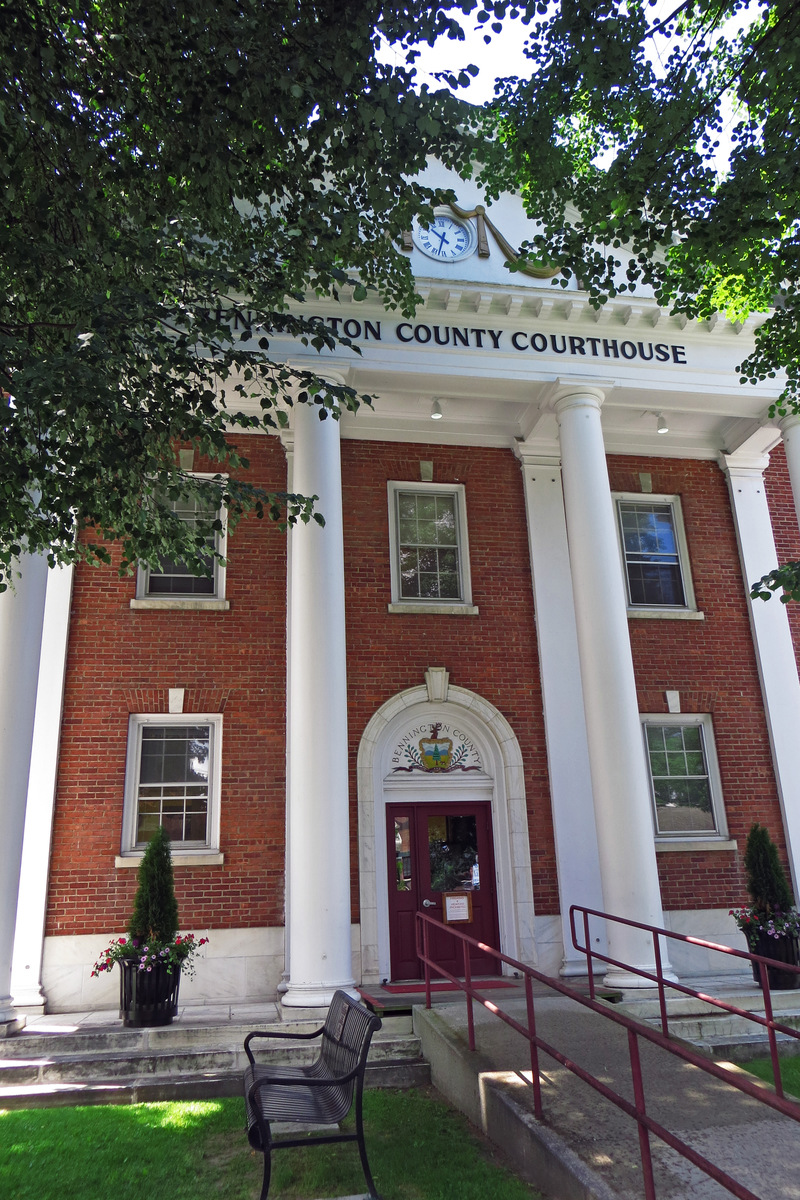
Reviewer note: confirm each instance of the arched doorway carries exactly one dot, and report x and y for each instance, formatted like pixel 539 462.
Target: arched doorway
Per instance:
pixel 430 753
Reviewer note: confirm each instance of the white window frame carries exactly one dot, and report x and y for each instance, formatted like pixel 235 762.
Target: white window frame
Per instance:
pixel 689 609
pixel 215 600
pixel 447 606
pixel 704 722
pixel 197 854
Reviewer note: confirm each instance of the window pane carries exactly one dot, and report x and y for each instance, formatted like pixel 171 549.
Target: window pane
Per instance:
pixel 453 853
pixel 402 847
pixel 691 738
pixel 652 561
pixel 174 782
pixel 426 522
pixel 173 578
pixel 681 785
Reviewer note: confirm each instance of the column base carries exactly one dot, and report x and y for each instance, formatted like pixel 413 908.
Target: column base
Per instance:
pixel 626 980
pixel 11 1025
pixel 577 966
pixel 316 995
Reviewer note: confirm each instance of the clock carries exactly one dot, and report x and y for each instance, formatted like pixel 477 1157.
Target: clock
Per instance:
pixel 446 240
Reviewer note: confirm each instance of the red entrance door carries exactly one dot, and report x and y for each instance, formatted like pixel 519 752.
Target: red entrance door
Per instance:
pixel 436 848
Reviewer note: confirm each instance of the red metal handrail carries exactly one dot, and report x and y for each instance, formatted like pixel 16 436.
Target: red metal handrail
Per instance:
pixel 635 1031
pixel 768 1022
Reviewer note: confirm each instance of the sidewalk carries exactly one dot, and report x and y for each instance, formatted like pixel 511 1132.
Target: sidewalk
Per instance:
pixel 586 1147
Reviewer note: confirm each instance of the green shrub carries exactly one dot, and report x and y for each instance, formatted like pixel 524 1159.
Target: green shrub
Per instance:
pixel 155 909
pixel 766 879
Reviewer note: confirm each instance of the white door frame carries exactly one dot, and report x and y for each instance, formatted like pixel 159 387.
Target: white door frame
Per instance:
pixel 501 780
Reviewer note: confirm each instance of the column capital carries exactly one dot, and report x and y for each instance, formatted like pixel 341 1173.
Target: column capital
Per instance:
pixel 534 458
pixel 788 422
pixel 567 391
pixel 743 466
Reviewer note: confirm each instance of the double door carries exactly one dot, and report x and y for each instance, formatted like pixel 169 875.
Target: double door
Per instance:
pixel 434 849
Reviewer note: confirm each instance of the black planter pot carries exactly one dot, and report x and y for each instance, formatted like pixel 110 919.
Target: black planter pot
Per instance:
pixel 148 997
pixel 785 949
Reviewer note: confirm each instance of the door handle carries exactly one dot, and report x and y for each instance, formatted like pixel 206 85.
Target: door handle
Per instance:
pixel 429 904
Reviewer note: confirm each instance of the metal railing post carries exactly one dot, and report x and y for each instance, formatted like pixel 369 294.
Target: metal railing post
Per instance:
pixel 662 999
pixel 771 1035
pixel 468 982
pixel 587 941
pixel 644 1132
pixel 427 962
pixel 537 1086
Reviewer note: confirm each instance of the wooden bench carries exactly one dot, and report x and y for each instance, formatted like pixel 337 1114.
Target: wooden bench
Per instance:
pixel 320 1093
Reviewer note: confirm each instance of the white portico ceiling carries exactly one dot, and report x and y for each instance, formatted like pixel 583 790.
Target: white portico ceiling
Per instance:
pixel 496 394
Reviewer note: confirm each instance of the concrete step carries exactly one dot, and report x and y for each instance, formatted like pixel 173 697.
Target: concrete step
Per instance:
pixel 113 1065
pixel 117 1039
pixel 710 1029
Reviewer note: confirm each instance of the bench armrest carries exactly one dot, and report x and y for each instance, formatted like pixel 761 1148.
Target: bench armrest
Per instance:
pixel 300 1081
pixel 300 1037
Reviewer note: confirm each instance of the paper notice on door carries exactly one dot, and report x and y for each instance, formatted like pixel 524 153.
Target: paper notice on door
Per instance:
pixel 457 907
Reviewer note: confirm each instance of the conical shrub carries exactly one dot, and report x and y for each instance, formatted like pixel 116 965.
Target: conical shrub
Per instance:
pixel 766 879
pixel 155 909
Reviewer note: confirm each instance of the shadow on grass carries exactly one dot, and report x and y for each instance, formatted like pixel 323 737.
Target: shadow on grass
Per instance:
pixel 419 1149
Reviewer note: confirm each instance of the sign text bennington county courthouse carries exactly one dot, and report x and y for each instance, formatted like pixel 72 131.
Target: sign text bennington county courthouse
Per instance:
pixel 471 338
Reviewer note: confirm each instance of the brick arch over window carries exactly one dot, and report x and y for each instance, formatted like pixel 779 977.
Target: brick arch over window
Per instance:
pixel 502 760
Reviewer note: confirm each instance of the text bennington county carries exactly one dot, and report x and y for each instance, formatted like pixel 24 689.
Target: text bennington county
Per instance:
pixel 473 338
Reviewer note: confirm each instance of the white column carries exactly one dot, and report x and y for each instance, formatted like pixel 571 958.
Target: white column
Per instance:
pixel 790 433
pixel 319 836
pixel 26 982
pixel 21 615
pixel 287 440
pixel 574 827
pixel 620 784
pixel 772 639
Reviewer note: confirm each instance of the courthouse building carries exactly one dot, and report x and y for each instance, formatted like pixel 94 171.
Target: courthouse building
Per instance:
pixel 519 662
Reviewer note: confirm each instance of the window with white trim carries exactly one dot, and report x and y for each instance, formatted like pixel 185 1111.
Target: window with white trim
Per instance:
pixel 654 553
pixel 173 779
pixel 429 551
pixel 172 580
pixel 684 776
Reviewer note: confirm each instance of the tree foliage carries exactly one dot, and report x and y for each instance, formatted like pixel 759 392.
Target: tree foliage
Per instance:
pixel 173 176
pixel 619 143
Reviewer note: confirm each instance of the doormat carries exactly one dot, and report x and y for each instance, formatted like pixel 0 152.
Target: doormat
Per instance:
pixel 408 989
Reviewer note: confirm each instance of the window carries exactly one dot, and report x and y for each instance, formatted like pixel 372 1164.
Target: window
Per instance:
pixel 430 559
pixel 654 553
pixel 684 777
pixel 173 581
pixel 173 779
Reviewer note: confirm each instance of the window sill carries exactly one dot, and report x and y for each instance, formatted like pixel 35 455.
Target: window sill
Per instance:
pixel 441 610
pixel 203 858
pixel 668 614
pixel 181 605
pixel 666 847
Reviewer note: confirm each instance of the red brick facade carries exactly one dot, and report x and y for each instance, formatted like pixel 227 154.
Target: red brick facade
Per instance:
pixel 123 661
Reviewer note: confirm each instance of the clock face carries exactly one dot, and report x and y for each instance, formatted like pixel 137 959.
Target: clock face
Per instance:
pixel 446 240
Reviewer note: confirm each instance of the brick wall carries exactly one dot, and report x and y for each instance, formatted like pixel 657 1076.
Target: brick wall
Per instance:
pixel 493 654
pixel 123 661
pixel 712 664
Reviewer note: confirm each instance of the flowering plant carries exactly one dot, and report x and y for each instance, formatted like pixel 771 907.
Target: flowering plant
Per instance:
pixel 753 921
pixel 178 952
pixel 772 912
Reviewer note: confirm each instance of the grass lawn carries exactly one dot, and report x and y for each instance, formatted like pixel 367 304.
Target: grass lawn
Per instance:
pixel 790 1073
pixel 419 1149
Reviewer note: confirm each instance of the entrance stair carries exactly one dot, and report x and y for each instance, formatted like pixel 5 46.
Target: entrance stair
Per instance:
pixel 710 1030
pixel 81 1058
